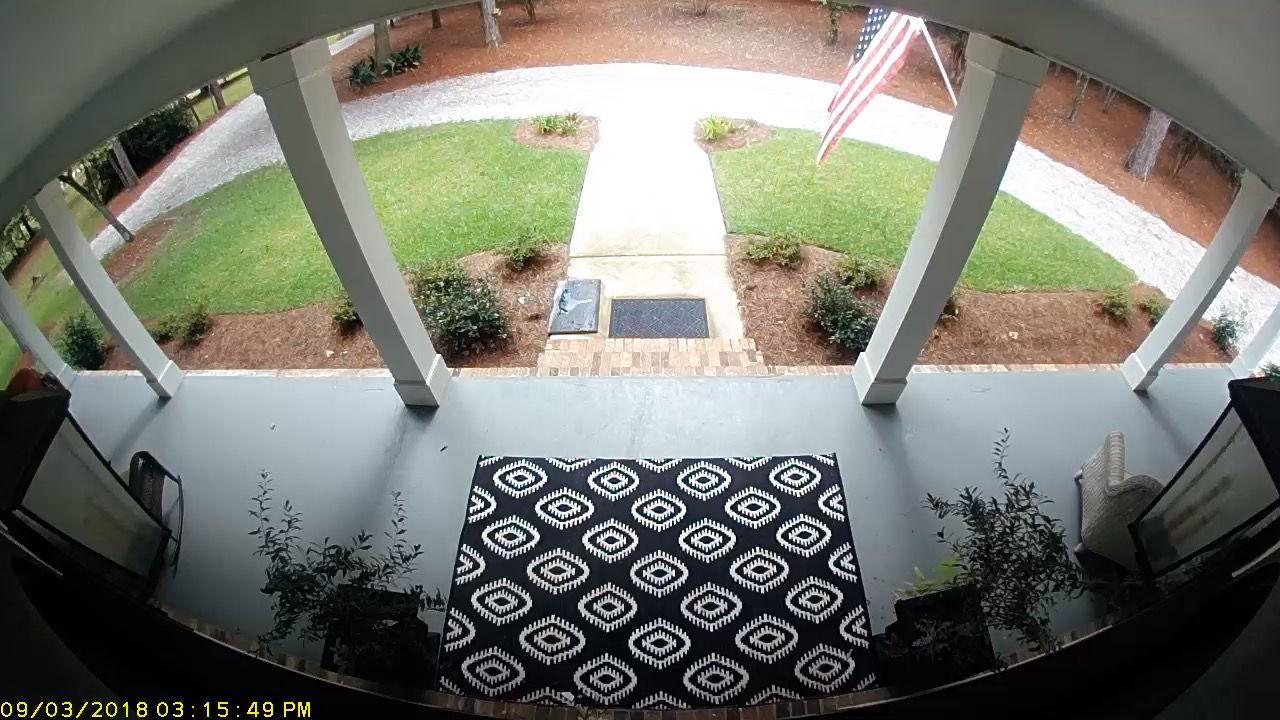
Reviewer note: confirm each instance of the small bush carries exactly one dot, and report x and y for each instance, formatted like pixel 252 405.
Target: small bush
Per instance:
pixel 362 74
pixel 1154 306
pixel 188 325
pixel 1116 303
pixel 345 317
pixel 80 343
pixel 783 251
pixel 405 59
pixel 523 248
pixel 860 273
pixel 717 128
pixel 460 312
pixel 1226 330
pixel 1271 371
pixel 847 320
pixel 562 124
pixel 147 141
pixel 951 308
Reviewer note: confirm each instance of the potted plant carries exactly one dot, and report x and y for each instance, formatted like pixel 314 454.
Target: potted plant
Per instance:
pixel 358 603
pixel 1006 570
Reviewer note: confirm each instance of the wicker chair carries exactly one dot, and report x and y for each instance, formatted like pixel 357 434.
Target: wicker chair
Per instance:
pixel 1110 500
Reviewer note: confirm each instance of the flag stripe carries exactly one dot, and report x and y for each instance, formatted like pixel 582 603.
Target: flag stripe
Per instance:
pixel 870 61
pixel 884 62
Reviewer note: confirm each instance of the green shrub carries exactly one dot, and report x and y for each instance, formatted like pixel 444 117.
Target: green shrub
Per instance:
pixel 461 313
pixel 847 320
pixel 783 251
pixel 951 308
pixel 345 316
pixel 16 236
pixel 1154 306
pixel 100 175
pixel 80 343
pixel 1271 371
pixel 403 60
pixel 1116 303
pixel 188 325
pixel 362 74
pixel 562 124
pixel 717 128
pixel 858 272
pixel 523 248
pixel 147 141
pixel 1226 330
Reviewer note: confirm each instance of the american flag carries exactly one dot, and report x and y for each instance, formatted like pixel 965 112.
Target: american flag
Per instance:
pixel 879 54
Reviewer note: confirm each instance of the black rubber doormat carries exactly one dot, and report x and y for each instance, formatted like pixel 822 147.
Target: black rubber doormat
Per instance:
pixel 658 318
pixel 656 584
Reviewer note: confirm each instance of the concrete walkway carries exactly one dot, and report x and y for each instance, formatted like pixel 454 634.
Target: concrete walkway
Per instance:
pixel 649 222
pixel 242 140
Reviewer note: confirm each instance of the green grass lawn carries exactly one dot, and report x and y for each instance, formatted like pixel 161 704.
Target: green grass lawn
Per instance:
pixel 865 200
pixel 232 92
pixel 248 245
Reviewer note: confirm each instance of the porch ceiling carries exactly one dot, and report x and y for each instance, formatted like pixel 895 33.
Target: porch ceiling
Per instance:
pixel 338 446
pixel 80 70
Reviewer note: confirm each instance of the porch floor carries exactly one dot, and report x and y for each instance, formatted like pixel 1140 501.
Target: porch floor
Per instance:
pixel 338 446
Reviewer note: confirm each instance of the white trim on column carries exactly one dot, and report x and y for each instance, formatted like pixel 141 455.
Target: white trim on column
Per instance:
pixel 1252 354
pixel 998 84
pixel 77 258
pixel 14 316
pixel 1221 257
pixel 297 90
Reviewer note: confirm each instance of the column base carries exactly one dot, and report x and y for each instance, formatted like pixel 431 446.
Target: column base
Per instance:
pixel 873 391
pixel 430 393
pixel 166 383
pixel 1137 374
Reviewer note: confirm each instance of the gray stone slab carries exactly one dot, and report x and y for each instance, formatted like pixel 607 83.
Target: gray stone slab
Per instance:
pixel 575 307
pixel 658 318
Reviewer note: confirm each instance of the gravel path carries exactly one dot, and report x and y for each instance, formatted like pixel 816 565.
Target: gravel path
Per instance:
pixel 242 140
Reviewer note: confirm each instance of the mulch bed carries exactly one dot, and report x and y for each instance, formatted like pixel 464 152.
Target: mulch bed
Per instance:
pixel 991 328
pixel 751 132
pixel 584 139
pixel 787 36
pixel 305 337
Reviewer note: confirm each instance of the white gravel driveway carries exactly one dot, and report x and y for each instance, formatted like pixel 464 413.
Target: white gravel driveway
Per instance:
pixel 242 139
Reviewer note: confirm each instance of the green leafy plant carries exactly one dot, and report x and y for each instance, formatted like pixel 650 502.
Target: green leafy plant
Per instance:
pixel 1271 371
pixel 782 251
pixel 833 9
pixel 337 592
pixel 1227 328
pixel 1012 550
pixel 80 343
pixel 461 313
pixel 1154 306
pixel 847 320
pixel 362 73
pixel 1116 303
pixel 859 272
pixel 520 250
pixel 188 325
pixel 345 317
pixel 405 59
pixel 150 139
pixel 951 308
pixel 716 128
pixel 561 124
pixel 944 575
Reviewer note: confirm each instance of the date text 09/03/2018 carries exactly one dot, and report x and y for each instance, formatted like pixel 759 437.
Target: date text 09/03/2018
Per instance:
pixel 23 709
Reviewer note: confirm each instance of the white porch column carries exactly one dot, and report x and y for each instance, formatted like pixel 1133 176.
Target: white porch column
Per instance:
pixel 14 317
pixel 1221 257
pixel 998 84
pixel 77 258
pixel 1251 355
pixel 298 91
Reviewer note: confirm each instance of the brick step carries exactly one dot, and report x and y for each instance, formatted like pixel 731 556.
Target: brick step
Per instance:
pixel 651 356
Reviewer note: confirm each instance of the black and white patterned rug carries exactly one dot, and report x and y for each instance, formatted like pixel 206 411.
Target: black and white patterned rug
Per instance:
pixel 656 584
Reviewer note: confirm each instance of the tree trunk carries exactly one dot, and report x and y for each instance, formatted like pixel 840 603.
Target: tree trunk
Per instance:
pixel 833 24
pixel 435 20
pixel 110 216
pixel 127 174
pixel 489 13
pixel 1142 158
pixel 192 107
pixel 381 45
pixel 1082 84
pixel 215 91
pixel 530 11
pixel 1108 97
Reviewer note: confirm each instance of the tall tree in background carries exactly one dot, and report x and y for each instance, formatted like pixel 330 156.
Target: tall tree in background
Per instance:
pixel 215 92
pixel 120 161
pixel 381 44
pixel 489 13
pixel 1141 159
pixel 435 20
pixel 74 184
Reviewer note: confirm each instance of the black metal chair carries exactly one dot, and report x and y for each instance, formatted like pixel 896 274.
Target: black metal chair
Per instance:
pixel 146 483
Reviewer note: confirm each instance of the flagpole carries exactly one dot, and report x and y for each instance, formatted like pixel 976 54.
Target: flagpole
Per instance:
pixel 924 30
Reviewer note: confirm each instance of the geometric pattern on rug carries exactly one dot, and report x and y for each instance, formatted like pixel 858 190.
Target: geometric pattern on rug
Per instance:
pixel 656 584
